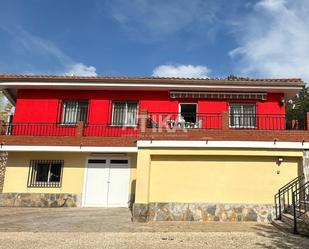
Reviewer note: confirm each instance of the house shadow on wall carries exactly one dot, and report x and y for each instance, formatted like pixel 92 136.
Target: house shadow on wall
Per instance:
pixel 132 196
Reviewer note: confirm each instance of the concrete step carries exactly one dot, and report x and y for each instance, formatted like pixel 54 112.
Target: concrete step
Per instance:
pixel 304 204
pixel 283 226
pixel 300 212
pixel 288 219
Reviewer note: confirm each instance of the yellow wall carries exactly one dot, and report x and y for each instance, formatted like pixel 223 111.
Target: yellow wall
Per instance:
pixel 17 169
pixel 133 158
pixel 176 175
pixel 224 179
pixel 213 176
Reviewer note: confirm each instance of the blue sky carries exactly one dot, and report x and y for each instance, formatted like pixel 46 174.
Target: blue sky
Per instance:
pixel 196 38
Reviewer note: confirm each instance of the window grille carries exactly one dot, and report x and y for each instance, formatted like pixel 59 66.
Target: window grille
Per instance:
pixel 242 116
pixel 45 173
pixel 124 113
pixel 74 111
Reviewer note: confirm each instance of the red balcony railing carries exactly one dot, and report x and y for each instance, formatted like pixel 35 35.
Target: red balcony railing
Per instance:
pixel 184 120
pixel 50 129
pixel 37 129
pixel 264 122
pixel 157 121
pixel 101 130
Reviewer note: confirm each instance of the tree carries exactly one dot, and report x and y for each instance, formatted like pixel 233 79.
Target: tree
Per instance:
pixel 5 107
pixel 298 106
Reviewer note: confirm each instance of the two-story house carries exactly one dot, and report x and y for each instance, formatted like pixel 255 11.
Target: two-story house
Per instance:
pixel 173 148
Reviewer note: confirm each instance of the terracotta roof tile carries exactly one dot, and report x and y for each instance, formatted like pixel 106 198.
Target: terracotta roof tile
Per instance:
pixel 232 80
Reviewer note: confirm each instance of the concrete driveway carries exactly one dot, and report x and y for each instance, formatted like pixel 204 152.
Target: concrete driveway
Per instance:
pixel 65 219
pixel 103 220
pixel 112 228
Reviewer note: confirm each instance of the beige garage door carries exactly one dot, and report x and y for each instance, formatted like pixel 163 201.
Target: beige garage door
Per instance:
pixel 218 179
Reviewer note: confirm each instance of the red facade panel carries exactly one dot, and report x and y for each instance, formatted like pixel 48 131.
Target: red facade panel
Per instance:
pixel 42 106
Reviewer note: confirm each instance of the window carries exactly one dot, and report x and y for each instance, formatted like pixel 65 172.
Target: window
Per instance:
pixel 124 113
pixel 188 112
pixel 119 161
pixel 74 111
pixel 96 161
pixel 242 116
pixel 45 173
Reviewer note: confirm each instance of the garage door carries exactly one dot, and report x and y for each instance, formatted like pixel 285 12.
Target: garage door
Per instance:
pixel 107 183
pixel 218 179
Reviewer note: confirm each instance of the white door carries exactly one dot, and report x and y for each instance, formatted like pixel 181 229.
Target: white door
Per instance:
pixel 107 183
pixel 118 187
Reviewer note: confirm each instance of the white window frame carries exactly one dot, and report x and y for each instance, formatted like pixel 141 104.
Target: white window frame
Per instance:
pixel 186 103
pixel 63 121
pixel 239 126
pixel 126 114
pixel 34 183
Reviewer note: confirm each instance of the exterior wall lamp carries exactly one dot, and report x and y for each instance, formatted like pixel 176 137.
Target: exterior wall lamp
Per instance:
pixel 279 160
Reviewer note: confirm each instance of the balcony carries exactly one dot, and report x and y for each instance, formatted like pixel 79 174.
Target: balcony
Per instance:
pixel 38 129
pixel 158 126
pixel 264 122
pixel 64 130
pixel 164 120
pixel 99 130
pixel 223 127
pixel 80 134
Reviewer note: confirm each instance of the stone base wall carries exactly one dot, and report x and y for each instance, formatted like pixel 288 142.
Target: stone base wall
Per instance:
pixel 306 165
pixel 3 160
pixel 202 212
pixel 39 200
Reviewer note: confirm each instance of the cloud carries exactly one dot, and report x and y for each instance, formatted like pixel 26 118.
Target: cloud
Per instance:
pixel 273 40
pixel 156 19
pixel 81 70
pixel 185 71
pixel 270 4
pixel 41 56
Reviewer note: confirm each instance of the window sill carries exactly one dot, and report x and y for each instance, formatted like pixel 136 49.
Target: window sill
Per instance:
pixel 243 127
pixel 70 125
pixel 129 126
pixel 47 186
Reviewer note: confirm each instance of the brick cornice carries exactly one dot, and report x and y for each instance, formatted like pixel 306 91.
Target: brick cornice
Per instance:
pixel 153 134
pixel 69 141
pixel 228 135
